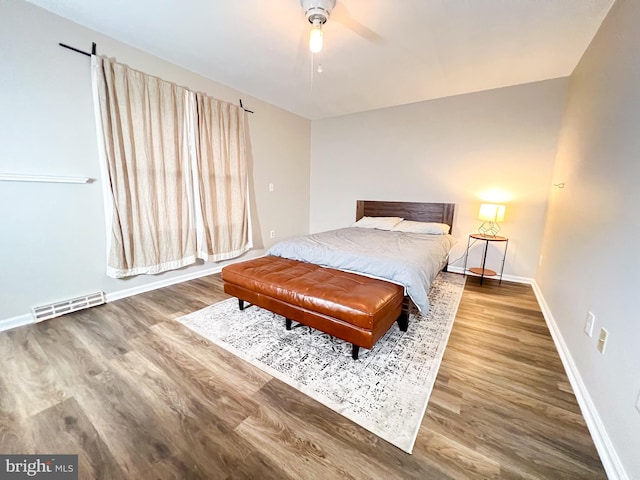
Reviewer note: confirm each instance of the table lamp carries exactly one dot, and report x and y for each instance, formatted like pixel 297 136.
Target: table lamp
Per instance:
pixel 491 214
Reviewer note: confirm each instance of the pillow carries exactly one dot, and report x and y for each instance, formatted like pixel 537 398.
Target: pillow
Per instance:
pixel 409 226
pixel 381 223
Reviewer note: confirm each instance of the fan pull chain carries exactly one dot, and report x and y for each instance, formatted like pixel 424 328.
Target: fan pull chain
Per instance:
pixel 312 69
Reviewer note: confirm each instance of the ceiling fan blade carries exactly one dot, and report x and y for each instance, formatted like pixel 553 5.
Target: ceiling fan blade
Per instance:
pixel 341 15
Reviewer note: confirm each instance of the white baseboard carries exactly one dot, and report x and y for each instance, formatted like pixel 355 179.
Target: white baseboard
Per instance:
pixel 608 455
pixel 13 322
pixel 454 269
pixel 26 319
pixel 147 287
pixel 508 278
pixel 113 296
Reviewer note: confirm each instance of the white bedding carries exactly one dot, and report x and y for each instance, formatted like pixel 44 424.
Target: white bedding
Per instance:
pixel 409 259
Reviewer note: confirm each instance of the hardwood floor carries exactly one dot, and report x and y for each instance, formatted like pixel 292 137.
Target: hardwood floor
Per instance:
pixel 137 395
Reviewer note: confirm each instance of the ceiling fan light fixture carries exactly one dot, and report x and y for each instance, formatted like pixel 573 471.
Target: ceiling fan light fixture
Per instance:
pixel 315 38
pixel 317 13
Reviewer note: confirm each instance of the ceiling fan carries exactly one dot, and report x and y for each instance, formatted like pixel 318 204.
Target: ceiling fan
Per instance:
pixel 318 12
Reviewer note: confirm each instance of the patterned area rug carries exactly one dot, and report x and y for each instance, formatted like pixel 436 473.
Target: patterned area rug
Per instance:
pixel 386 390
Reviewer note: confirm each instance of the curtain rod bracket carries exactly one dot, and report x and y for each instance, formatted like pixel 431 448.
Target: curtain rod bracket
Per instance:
pixel 245 109
pixel 93 49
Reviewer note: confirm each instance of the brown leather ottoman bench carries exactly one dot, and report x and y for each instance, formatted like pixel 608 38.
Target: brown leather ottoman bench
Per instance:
pixel 348 306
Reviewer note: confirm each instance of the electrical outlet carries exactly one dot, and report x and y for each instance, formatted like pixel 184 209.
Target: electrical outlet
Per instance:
pixel 638 403
pixel 588 325
pixel 602 340
pixel 272 234
pixel 540 261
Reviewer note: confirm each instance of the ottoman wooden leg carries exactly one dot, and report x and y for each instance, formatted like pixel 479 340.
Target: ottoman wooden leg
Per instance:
pixel 241 304
pixel 403 321
pixel 354 351
pixel 288 323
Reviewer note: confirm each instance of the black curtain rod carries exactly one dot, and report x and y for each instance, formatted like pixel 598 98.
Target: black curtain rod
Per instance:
pixel 93 52
pixel 93 49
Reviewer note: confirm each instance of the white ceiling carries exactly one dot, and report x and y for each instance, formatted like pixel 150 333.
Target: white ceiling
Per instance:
pixel 377 53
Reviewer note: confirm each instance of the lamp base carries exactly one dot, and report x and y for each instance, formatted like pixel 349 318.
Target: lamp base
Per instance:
pixel 489 229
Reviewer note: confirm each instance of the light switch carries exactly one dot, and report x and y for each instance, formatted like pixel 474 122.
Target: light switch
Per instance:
pixel 602 340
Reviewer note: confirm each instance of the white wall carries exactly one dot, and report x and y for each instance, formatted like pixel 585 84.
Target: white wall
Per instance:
pixel 590 247
pixel 498 144
pixel 52 238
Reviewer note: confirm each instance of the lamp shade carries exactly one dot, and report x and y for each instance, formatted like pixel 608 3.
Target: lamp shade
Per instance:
pixel 491 212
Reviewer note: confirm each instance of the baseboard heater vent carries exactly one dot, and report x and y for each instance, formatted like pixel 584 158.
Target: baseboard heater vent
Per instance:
pixel 46 312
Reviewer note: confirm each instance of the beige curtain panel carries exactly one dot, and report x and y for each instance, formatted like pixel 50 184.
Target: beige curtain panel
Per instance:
pixel 222 180
pixel 172 189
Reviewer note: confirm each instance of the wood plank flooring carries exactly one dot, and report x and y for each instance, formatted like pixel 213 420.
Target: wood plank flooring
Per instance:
pixel 137 395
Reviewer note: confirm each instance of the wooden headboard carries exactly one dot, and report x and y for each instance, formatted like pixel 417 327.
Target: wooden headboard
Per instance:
pixel 416 211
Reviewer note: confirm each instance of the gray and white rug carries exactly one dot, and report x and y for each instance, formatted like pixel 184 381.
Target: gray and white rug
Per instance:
pixel 386 390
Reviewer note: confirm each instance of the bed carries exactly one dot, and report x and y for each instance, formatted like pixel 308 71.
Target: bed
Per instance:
pixel 351 283
pixel 412 260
